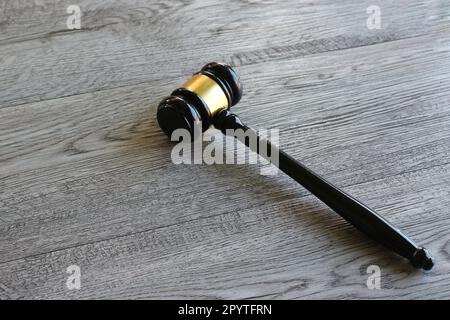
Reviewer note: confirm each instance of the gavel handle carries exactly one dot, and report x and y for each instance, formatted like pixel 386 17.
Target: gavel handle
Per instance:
pixel 356 213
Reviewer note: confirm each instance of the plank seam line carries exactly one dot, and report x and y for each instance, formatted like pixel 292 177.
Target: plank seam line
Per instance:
pixel 244 64
pixel 198 219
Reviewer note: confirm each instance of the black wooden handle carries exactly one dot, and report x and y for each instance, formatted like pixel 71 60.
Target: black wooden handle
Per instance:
pixel 356 213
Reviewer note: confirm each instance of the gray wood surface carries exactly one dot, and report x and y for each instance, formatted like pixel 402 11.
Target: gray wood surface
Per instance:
pixel 86 177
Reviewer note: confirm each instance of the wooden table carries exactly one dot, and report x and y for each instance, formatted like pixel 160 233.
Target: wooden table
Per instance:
pixel 86 178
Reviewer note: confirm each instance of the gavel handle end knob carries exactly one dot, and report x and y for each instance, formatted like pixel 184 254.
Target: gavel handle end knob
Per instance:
pixel 422 259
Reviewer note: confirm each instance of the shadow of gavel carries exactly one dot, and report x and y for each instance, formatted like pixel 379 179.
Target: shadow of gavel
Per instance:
pixel 207 98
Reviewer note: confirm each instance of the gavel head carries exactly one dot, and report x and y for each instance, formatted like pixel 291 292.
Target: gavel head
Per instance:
pixel 216 87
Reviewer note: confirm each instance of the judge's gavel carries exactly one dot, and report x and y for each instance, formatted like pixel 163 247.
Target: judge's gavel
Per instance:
pixel 207 98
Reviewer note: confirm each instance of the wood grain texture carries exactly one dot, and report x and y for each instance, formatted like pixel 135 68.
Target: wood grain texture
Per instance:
pixel 121 40
pixel 86 176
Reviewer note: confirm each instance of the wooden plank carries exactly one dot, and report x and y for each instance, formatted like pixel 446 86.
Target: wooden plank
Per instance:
pixel 91 167
pixel 261 252
pixel 120 41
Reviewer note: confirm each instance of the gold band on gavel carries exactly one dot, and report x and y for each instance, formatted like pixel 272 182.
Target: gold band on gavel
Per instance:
pixel 207 89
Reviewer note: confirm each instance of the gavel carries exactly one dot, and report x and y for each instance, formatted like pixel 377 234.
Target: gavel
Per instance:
pixel 207 99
